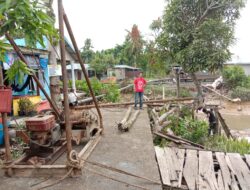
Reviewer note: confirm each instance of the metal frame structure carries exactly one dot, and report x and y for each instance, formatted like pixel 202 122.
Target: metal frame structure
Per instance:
pixel 27 170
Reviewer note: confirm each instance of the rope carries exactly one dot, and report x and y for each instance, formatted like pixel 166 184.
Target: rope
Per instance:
pixel 74 160
pixel 117 180
pixel 57 181
pixel 120 171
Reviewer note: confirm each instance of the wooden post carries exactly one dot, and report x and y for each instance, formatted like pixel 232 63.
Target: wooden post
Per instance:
pixel 5 126
pixel 65 79
pixel 178 84
pixel 163 92
pixel 216 130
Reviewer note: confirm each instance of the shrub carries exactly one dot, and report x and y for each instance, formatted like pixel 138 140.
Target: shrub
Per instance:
pixel 187 128
pixel 111 90
pixel 184 92
pixel 242 93
pixel 235 76
pixel 26 107
pixel 112 93
pixel 221 143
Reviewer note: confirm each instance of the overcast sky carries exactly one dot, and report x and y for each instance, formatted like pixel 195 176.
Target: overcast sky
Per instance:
pixel 105 22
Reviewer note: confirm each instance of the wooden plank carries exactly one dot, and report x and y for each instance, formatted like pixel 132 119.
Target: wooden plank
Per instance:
pixel 41 171
pixel 233 174
pixel 190 171
pixel 162 162
pixel 171 161
pixel 220 181
pixel 207 179
pixel 247 156
pixel 178 158
pixel 224 126
pixel 241 170
pixel 226 175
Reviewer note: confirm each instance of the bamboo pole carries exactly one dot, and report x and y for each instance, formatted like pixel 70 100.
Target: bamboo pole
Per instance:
pixel 65 79
pixel 132 103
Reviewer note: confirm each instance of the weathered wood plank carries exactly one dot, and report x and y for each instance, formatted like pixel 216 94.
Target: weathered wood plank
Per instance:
pixel 190 171
pixel 247 156
pixel 233 174
pixel 162 162
pixel 171 163
pixel 207 179
pixel 226 175
pixel 241 170
pixel 177 156
pixel 220 181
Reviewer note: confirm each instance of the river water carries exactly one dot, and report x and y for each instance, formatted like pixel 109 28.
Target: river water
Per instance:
pixel 237 121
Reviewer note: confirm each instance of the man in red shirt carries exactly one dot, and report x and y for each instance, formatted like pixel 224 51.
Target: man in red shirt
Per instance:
pixel 139 85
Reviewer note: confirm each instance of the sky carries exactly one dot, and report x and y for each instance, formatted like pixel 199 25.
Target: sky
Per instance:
pixel 105 22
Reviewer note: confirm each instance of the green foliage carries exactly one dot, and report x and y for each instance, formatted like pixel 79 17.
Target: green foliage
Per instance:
pixel 185 127
pixel 112 93
pixel 242 93
pixel 197 35
pixel 27 19
pixel 161 142
pixel 86 52
pixel 111 90
pixel 3 48
pixel 26 106
pixel 234 76
pixel 17 71
pixel 184 92
pixel 96 85
pixel 221 143
pixel 101 61
pixel 193 130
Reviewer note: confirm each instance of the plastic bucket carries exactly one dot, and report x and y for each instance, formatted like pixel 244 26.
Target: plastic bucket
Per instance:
pixel 5 99
pixel 1 131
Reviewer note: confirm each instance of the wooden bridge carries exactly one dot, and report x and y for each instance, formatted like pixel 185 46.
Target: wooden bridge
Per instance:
pixel 196 170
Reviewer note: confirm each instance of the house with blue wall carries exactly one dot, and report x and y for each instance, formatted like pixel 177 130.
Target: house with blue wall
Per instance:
pixel 38 60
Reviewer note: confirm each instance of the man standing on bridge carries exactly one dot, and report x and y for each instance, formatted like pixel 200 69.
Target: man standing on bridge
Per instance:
pixel 139 85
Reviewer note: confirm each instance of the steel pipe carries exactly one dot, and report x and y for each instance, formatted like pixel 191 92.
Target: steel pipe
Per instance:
pixel 65 79
pixel 66 21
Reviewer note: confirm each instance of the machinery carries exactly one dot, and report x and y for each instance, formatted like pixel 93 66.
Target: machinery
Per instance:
pixel 47 139
pixel 44 132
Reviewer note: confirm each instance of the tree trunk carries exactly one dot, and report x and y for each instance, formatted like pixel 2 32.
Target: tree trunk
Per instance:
pixel 198 87
pixel 125 119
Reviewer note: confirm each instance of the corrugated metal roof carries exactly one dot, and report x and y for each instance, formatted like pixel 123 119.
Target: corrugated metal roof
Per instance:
pixel 125 67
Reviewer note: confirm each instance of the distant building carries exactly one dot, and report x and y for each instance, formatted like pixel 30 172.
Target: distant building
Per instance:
pixel 122 72
pixel 77 69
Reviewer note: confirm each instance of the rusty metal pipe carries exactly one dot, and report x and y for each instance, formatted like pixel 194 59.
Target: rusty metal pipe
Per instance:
pixel 5 126
pixel 20 55
pixel 150 102
pixel 65 79
pixel 66 21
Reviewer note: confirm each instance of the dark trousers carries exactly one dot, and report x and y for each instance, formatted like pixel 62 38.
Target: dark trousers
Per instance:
pixel 212 126
pixel 139 98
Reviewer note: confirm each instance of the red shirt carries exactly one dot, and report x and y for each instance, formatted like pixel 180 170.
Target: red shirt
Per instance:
pixel 139 84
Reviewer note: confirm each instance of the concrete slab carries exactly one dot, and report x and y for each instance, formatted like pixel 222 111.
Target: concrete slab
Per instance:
pixel 132 152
